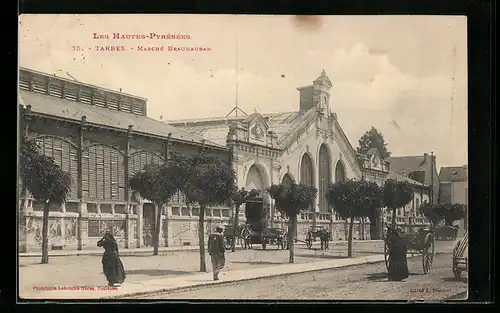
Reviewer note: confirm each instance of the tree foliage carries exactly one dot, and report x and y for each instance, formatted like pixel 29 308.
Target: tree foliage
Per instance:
pixel 41 176
pixel 158 183
pixel 373 139
pixel 396 194
pixel 46 182
pixel 448 212
pixel 291 199
pixel 208 182
pixel 454 212
pixel 432 212
pixel 354 199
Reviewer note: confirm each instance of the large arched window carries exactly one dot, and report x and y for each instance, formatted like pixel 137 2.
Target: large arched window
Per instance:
pixel 339 172
pixel 255 180
pixel 306 172
pixel 139 159
pixel 287 180
pixel 324 177
pixel 103 174
pixel 65 155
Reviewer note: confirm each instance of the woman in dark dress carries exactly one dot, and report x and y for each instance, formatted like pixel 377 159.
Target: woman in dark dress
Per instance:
pixel 112 266
pixel 398 263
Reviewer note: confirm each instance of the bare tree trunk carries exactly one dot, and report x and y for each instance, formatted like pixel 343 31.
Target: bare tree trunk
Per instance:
pixel 346 237
pixel 201 237
pixel 394 216
pixel 291 237
pixel 45 233
pixel 349 243
pixel 236 222
pixel 156 233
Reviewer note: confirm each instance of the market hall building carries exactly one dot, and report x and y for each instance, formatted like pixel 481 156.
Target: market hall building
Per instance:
pixel 102 137
pixel 307 146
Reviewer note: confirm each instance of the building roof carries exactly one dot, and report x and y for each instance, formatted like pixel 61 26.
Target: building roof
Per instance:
pixel 52 106
pixel 398 177
pixel 453 173
pixel 405 163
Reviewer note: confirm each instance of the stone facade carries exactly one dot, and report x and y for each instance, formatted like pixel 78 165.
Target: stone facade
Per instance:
pixel 102 147
pixel 307 146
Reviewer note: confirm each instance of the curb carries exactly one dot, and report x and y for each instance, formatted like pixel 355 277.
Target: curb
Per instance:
pixel 225 282
pixel 127 252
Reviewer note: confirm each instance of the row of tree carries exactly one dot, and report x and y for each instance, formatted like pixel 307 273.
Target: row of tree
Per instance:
pixel 207 181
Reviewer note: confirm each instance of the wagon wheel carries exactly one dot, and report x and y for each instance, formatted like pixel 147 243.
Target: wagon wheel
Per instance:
pixel 263 241
pixel 309 240
pixel 228 242
pixel 386 254
pixel 284 242
pixel 245 235
pixel 428 253
pixel 456 271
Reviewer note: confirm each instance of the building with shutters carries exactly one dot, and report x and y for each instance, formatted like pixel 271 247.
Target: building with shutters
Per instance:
pixel 307 146
pixel 102 137
pixel 454 187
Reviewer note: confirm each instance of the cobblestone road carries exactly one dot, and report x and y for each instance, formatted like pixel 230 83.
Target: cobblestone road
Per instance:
pixel 365 282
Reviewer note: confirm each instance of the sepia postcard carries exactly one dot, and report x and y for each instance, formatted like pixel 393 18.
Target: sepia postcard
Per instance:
pixel 243 157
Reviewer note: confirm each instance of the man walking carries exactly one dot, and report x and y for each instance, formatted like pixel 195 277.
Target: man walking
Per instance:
pixel 217 251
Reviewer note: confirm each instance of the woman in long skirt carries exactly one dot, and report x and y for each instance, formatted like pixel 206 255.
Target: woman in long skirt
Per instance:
pixel 112 266
pixel 398 263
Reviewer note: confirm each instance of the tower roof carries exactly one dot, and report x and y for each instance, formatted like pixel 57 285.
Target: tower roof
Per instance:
pixel 323 80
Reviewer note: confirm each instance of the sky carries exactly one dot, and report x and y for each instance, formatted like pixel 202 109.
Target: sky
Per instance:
pixel 404 75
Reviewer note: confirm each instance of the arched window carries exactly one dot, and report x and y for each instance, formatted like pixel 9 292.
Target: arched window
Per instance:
pixel 306 172
pixel 339 172
pixel 324 177
pixel 65 155
pixel 103 174
pixel 287 180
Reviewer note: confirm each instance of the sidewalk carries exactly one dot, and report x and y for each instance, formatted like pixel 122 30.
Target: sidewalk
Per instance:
pixel 149 250
pixel 172 270
pixel 196 280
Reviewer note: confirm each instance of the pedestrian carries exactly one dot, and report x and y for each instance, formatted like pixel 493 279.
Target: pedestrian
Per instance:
pixel 217 251
pixel 398 263
pixel 112 266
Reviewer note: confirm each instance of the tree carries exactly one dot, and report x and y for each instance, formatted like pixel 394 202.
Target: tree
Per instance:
pixel 354 199
pixel 396 194
pixel 240 197
pixel 432 212
pixel 158 183
pixel 373 139
pixel 290 199
pixel 453 212
pixel 46 181
pixel 208 181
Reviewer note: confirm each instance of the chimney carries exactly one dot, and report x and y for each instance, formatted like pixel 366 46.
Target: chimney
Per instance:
pixel 306 98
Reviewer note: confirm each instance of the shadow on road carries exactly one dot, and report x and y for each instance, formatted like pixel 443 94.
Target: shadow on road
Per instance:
pixel 154 272
pixel 320 256
pixel 383 277
pixel 453 279
pixel 259 262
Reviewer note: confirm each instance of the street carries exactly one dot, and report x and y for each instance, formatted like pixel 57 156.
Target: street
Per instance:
pixel 365 282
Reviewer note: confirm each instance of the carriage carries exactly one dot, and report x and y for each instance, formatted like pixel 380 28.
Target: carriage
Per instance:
pixel 264 236
pixel 256 230
pixel 460 260
pixel 317 232
pixel 421 242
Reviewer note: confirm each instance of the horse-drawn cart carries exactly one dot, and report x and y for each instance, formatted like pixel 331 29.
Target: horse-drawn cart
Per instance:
pixel 421 242
pixel 460 256
pixel 317 232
